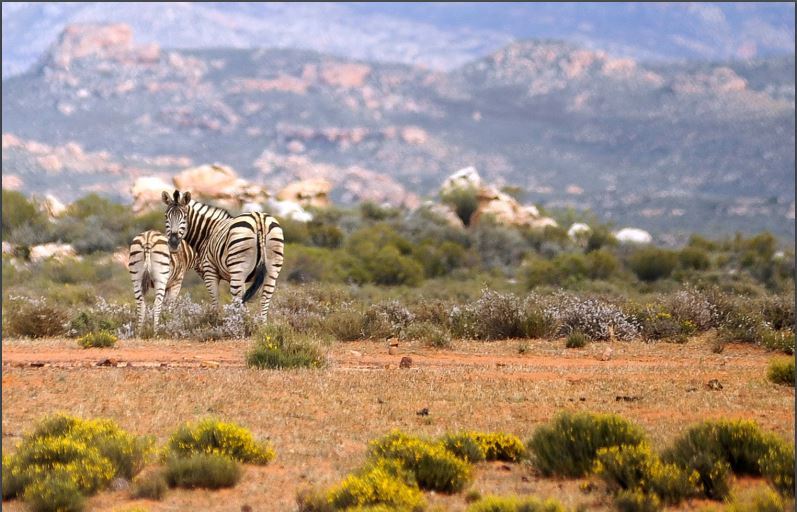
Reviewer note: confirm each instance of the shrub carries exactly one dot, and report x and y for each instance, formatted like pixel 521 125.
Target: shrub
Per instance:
pixel 760 499
pixel 651 263
pixel 278 346
pixel 386 319
pixel 576 340
pixel 56 491
pixel 568 445
pixel 87 454
pixel 202 470
pixel 597 319
pixel 152 486
pixel 463 200
pixel 434 467
pixel 492 316
pixel 781 371
pixel 211 436
pixel 345 324
pixel 431 334
pixel 694 258
pixel 390 267
pixel 102 339
pixel 515 504
pixel 479 446
pixel 692 306
pixel 635 500
pixel 781 341
pixel 381 483
pixel 713 447
pixel 539 272
pixel 601 264
pixel 34 318
pixel 777 465
pixel 778 311
pixel 627 468
pixel 535 321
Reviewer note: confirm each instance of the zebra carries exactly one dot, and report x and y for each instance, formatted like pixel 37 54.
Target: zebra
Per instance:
pixel 151 264
pixel 247 248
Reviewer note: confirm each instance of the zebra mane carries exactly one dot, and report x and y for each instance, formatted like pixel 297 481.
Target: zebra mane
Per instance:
pixel 209 210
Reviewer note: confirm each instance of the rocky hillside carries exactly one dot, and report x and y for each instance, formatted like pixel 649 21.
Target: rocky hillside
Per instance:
pixel 670 148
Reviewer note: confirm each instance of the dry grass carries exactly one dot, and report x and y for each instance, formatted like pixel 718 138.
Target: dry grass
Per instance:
pixel 321 420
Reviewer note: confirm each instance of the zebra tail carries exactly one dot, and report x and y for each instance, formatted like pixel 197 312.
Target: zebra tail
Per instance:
pixel 260 271
pixel 145 279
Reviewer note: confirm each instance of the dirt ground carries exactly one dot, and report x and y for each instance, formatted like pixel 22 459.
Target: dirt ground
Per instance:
pixel 320 421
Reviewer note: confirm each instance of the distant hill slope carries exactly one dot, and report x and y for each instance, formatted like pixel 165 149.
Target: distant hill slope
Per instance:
pixel 436 35
pixel 672 148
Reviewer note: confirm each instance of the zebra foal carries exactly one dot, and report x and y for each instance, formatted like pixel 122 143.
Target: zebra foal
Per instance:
pixel 153 265
pixel 244 249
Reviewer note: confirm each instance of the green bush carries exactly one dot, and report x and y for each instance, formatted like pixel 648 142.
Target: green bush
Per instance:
pixel 434 467
pixel 536 323
pixel 279 346
pixel 463 200
pixel 601 264
pixel 56 491
pixel 493 316
pixel 464 446
pixel 651 263
pixel 628 468
pixel 577 340
pixel 429 333
pixel 694 259
pixel 777 466
pixel 345 324
pixel 713 447
pixel 152 486
pixel 539 272
pixel 210 436
pixel 202 470
pixel 781 341
pixel 635 500
pixel 515 504
pixel 568 445
pixel 759 499
pixel 102 339
pixel 781 371
pixel 390 267
pixel 33 318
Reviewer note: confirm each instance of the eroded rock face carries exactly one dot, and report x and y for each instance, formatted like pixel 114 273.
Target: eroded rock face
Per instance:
pixel 147 191
pixel 107 41
pixel 633 236
pixel 220 185
pixel 52 250
pixel 52 206
pixel 311 192
pixel 463 178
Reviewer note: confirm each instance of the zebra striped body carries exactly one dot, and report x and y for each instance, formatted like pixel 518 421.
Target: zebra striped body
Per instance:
pixel 244 249
pixel 152 265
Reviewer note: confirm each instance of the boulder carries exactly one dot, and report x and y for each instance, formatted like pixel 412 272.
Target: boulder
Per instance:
pixel 147 191
pixel 506 210
pixel 463 178
pixel 219 185
pixel 579 232
pixel 310 192
pixel 633 236
pixel 52 250
pixel 8 248
pixel 443 212
pixel 52 206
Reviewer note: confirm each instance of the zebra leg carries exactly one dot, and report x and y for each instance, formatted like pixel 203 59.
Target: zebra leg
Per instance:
pixel 237 287
pixel 160 292
pixel 173 292
pixel 274 256
pixel 141 308
pixel 212 284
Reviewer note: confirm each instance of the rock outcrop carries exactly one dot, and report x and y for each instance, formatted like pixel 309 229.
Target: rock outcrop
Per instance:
pixel 579 232
pixel 113 42
pixel 221 185
pixel 147 191
pixel 311 192
pixel 42 252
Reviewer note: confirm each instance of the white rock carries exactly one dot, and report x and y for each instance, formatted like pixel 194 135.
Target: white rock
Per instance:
pixel 53 206
pixel 633 236
pixel 463 178
pixel 52 250
pixel 147 191
pixel 290 210
pixel 578 230
pixel 7 248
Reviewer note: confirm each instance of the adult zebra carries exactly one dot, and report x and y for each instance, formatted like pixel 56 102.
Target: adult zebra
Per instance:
pixel 244 249
pixel 151 264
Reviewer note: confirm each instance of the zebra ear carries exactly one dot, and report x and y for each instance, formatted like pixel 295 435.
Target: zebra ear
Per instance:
pixel 166 198
pixel 186 198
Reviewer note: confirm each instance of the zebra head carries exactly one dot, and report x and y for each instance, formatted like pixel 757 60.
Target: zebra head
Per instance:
pixel 176 217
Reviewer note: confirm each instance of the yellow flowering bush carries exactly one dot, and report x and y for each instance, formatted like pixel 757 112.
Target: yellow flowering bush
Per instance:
pixel 515 504
pixel 279 346
pixel 101 339
pixel 70 452
pixel 636 467
pixel 477 446
pixel 777 465
pixel 635 500
pixel 381 483
pixel 57 491
pixel 434 467
pixel 567 446
pixel 216 437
